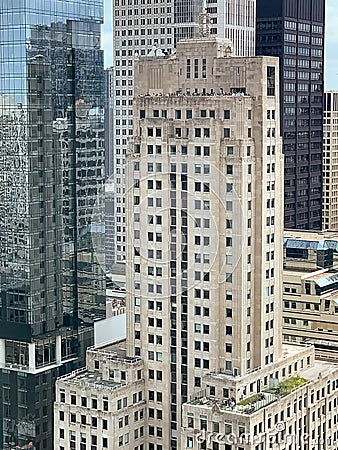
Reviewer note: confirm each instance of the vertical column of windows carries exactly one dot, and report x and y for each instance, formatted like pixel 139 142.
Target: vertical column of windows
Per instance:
pixel 196 63
pixel 188 73
pixel 174 367
pixel 269 255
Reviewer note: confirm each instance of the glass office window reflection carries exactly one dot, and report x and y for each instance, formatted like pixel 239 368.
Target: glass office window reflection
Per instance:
pixel 51 177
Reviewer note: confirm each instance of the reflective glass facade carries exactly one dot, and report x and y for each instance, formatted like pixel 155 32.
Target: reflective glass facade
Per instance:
pixel 186 16
pixel 52 170
pixel 294 31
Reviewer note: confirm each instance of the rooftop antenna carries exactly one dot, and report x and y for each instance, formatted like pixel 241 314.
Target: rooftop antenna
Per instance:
pixel 204 22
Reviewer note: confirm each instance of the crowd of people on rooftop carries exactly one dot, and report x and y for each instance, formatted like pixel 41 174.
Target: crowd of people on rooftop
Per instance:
pixel 196 93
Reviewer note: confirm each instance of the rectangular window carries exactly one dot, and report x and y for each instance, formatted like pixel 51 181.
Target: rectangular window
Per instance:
pixel 204 68
pixel 188 68
pixel 196 68
pixel 271 80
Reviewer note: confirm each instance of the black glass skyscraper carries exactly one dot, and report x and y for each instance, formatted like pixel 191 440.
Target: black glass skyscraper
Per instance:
pixel 51 175
pixel 294 31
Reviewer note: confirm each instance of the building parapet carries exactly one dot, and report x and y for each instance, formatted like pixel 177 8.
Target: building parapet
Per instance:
pixel 72 374
pixel 88 379
pixel 212 93
pixel 229 406
pixel 114 356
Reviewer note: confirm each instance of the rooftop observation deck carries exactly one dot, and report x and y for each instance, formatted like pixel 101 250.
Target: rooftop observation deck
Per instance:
pixel 230 407
pixel 268 394
pixel 234 92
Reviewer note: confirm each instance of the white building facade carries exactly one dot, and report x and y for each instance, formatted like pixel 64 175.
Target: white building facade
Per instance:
pixel 234 20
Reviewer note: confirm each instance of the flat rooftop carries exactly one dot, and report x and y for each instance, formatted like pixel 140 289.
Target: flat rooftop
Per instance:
pixel 310 373
pixel 311 235
pixel 320 368
pixel 319 276
pixel 83 379
pixel 268 395
pixel 115 351
pixel 305 235
pixel 115 347
pixel 324 279
pixel 288 351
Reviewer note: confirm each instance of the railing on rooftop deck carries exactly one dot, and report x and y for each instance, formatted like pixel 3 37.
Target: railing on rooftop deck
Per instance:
pixel 270 395
pixel 231 375
pixel 71 374
pixel 324 357
pixel 193 94
pixel 113 355
pixel 236 409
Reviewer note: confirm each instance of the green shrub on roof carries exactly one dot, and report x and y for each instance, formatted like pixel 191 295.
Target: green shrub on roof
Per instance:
pixel 250 400
pixel 289 385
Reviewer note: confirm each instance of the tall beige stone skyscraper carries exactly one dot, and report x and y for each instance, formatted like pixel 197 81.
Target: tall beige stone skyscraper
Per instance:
pixel 141 28
pixel 203 365
pixel 330 161
pixel 204 213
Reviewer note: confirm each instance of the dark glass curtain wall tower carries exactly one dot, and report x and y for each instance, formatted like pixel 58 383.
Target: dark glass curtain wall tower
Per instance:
pixel 51 175
pixel 294 31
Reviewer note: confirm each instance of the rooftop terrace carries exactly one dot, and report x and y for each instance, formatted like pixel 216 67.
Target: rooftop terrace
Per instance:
pixel 85 379
pixel 268 394
pixel 225 405
pixel 240 92
pixel 254 402
pixel 116 351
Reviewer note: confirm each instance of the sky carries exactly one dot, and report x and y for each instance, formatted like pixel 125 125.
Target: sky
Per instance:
pixel 331 59
pixel 107 33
